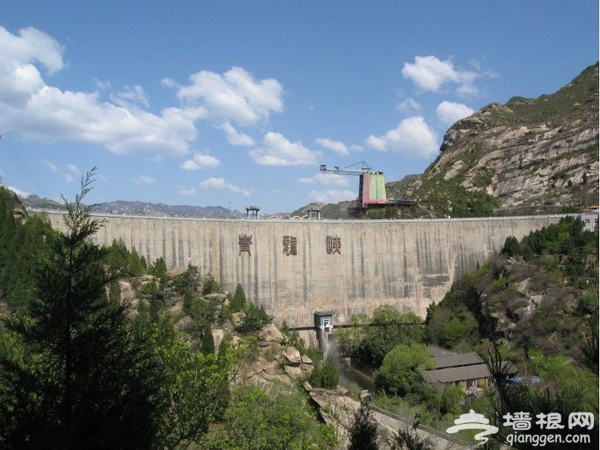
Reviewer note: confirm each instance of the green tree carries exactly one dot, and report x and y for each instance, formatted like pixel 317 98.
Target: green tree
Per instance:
pixel 389 327
pixel 277 419
pixel 210 285
pixel 195 392
pixel 158 268
pixel 569 394
pixel 135 267
pixel 239 299
pixel 325 375
pixel 409 439
pixel 349 339
pixel 207 347
pixel 117 257
pixel 81 380
pixel 512 247
pixel 402 370
pixel 363 432
pixel 188 281
pixel 255 318
pixel 21 242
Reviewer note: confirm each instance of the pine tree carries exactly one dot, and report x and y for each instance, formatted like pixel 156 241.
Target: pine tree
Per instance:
pixel 239 299
pixel 208 343
pixel 363 432
pixel 72 375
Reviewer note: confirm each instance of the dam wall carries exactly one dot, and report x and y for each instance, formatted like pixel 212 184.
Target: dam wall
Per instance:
pixel 294 268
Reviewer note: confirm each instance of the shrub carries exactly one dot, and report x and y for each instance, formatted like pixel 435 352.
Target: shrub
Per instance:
pixel 325 376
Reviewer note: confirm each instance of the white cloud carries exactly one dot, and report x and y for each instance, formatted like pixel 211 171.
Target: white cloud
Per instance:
pixel 51 166
pixel 278 151
pixel 449 112
pixel 144 180
pixel 430 74
pixel 327 180
pixel 233 96
pixel 102 84
pixel 20 193
pixel 408 106
pixel 200 161
pixel 73 169
pixel 131 96
pixel 220 184
pixel 191 191
pixel 31 45
pixel 42 112
pixel 332 196
pixel 335 146
pixel 236 138
pixel 412 137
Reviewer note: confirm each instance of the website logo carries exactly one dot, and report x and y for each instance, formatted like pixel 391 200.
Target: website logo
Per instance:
pixel 474 421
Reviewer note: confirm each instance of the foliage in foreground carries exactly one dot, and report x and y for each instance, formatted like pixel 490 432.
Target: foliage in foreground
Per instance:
pixel 325 375
pixel 363 431
pixel 76 373
pixel 409 439
pixel 563 396
pixel 277 419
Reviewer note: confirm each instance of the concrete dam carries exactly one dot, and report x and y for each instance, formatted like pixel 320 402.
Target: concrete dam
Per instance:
pixel 294 268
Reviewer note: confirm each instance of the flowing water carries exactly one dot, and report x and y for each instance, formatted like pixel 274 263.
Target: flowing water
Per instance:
pixel 350 378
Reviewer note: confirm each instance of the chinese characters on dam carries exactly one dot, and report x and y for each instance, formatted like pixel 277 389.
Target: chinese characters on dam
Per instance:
pixel 290 245
pixel 245 242
pixel 333 245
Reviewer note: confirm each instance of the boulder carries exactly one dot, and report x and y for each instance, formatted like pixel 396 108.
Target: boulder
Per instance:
pixel 237 318
pixel 292 356
pixel 270 333
pixel 220 297
pixel 294 371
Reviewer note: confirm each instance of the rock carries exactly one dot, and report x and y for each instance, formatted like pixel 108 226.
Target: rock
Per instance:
pixel 175 271
pixel 220 297
pixel 292 355
pixel 238 318
pixel 218 336
pixel 184 324
pixel 306 360
pixel 340 407
pixel 128 293
pixel 176 308
pixel 294 371
pixel 454 170
pixel 270 333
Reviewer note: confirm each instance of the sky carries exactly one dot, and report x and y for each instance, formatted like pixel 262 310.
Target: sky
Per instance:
pixel 238 103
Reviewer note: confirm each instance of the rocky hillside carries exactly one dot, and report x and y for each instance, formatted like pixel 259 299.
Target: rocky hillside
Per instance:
pixel 538 154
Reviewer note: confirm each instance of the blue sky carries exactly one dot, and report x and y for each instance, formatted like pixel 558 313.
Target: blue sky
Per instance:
pixel 219 103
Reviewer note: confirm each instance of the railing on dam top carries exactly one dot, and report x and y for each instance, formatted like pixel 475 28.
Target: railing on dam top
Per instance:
pixel 279 220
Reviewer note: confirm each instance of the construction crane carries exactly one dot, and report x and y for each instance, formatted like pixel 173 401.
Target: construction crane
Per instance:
pixel 371 189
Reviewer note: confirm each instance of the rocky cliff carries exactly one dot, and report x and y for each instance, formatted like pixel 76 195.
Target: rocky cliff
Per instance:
pixel 527 153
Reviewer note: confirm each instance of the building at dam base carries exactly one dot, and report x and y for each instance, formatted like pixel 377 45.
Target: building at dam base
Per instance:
pixel 294 268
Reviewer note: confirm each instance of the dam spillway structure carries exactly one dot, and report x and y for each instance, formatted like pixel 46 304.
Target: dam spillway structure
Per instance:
pixel 324 329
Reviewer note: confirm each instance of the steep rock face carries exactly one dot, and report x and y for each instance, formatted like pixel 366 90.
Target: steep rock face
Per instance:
pixel 529 152
pixel 524 164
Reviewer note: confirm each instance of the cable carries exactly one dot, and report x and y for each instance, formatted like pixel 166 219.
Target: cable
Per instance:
pixel 22 164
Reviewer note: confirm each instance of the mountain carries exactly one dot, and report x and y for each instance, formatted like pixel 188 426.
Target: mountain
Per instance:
pixel 524 156
pixel 137 208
